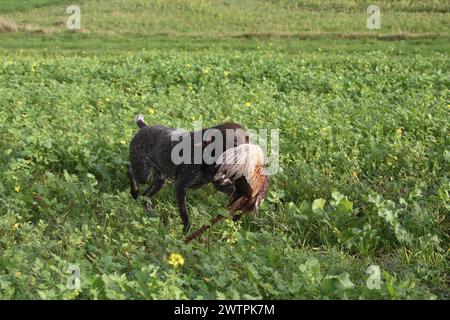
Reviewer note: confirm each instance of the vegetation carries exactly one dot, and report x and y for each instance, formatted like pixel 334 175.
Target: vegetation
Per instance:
pixel 363 151
pixel 234 17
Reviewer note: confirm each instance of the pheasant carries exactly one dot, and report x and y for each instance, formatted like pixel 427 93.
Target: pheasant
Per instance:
pixel 241 167
pixel 244 167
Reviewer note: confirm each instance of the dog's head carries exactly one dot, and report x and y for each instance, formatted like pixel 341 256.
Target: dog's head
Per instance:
pixel 231 135
pixel 220 138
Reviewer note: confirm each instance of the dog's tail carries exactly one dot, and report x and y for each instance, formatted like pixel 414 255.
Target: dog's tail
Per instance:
pixel 139 120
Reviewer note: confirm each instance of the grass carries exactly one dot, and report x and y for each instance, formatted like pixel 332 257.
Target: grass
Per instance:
pixel 364 153
pixel 11 6
pixel 116 45
pixel 232 18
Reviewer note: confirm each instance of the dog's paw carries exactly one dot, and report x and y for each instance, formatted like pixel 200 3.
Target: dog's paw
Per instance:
pixel 134 194
pixel 186 228
pixel 148 208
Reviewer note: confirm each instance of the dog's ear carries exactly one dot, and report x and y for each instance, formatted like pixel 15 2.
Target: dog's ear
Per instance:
pixel 208 137
pixel 204 143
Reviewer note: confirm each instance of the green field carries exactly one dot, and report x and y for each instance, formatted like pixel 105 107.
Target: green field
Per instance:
pixel 364 148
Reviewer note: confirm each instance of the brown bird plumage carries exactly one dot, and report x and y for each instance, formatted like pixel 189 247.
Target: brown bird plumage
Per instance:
pixel 244 166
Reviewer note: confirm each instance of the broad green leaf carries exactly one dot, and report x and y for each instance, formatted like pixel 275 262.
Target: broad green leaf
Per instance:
pixel 318 205
pixel 345 206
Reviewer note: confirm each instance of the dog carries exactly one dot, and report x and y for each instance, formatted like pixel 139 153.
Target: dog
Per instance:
pixel 152 160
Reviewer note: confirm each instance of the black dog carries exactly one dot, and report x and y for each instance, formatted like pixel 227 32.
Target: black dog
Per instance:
pixel 151 160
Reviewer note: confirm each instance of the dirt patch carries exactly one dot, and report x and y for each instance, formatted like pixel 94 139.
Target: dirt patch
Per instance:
pixel 353 35
pixel 7 25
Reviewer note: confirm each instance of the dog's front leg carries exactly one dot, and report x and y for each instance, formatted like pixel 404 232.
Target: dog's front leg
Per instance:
pixel 180 190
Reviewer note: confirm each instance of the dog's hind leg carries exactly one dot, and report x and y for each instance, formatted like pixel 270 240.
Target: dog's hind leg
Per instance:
pixel 134 188
pixel 157 184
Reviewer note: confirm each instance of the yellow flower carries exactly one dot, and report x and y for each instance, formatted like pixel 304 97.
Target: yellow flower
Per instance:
pixel 176 259
pixel 122 142
pixel 193 118
pixel 226 73
pixel 248 104
pixel 151 111
pixel 399 131
pixel 74 293
pixel 231 241
pixel 16 226
pixel 17 189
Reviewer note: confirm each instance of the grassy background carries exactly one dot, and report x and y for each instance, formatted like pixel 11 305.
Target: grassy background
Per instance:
pixel 364 148
pixel 232 17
